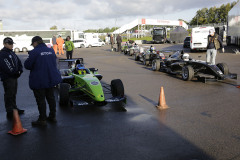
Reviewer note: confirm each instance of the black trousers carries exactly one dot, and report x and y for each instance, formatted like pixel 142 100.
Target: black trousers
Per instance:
pixel 119 47
pixel 69 56
pixel 10 86
pixel 41 96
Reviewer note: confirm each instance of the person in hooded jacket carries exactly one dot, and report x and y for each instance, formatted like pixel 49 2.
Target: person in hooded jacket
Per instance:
pixel 10 70
pixel 214 43
pixel 69 49
pixel 44 76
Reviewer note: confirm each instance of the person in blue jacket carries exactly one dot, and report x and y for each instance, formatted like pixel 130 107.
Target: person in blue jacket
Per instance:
pixel 10 70
pixel 44 76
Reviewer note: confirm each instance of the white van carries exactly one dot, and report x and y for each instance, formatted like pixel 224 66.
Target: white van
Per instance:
pixel 199 38
pixel 95 42
pixel 81 43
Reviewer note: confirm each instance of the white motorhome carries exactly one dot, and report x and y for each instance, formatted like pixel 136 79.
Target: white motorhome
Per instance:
pixel 233 25
pixel 199 38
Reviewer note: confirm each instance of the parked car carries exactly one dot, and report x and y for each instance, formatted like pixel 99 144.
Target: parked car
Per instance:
pixel 186 43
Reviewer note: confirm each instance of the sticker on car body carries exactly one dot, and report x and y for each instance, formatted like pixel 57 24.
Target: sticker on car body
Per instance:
pixel 94 83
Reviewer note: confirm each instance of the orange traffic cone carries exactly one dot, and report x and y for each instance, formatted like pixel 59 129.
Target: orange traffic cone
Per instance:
pixel 162 103
pixel 17 125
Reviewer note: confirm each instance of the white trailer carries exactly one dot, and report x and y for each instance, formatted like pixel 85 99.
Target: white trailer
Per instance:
pixel 233 26
pixel 199 38
pixel 22 38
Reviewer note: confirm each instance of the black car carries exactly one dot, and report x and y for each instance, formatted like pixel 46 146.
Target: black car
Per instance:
pixel 180 64
pixel 186 43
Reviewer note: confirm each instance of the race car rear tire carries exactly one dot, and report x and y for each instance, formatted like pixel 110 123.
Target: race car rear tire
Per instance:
pixel 117 88
pixel 187 73
pixel 136 57
pixel 223 67
pixel 156 65
pixel 64 94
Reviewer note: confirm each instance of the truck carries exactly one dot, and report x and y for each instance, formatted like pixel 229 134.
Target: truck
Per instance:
pixel 233 26
pixel 199 38
pixel 159 35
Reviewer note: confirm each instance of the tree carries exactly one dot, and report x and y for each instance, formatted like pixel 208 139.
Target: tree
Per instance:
pixel 53 27
pixel 105 30
pixel 212 15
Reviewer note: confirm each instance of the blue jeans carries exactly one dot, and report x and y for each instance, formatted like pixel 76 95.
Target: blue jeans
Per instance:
pixel 211 56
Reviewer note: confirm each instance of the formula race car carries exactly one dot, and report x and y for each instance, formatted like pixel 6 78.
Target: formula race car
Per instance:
pixel 134 49
pixel 181 64
pixel 126 48
pixel 150 55
pixel 81 86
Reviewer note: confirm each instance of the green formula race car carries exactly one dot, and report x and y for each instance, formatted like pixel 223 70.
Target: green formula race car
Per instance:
pixel 81 86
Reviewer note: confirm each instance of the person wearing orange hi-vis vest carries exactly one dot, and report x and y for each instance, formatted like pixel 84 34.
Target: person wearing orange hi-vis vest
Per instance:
pixel 60 43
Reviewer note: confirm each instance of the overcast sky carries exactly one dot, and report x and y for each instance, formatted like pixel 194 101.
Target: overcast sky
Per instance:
pixel 94 14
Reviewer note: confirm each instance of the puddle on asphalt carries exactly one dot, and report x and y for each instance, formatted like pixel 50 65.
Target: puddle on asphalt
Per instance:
pixel 141 118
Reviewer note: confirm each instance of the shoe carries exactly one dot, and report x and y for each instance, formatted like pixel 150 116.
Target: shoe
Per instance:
pixel 20 111
pixel 39 122
pixel 52 119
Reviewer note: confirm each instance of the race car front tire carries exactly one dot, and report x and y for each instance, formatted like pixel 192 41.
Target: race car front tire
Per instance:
pixel 64 94
pixel 131 52
pixel 117 88
pixel 223 67
pixel 156 65
pixel 187 73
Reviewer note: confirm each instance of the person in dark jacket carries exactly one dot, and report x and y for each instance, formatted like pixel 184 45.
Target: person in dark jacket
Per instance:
pixel 111 41
pixel 214 43
pixel 10 70
pixel 119 41
pixel 44 76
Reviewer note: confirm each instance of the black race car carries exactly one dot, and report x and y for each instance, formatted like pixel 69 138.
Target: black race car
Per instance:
pixel 135 49
pixel 180 63
pixel 148 56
